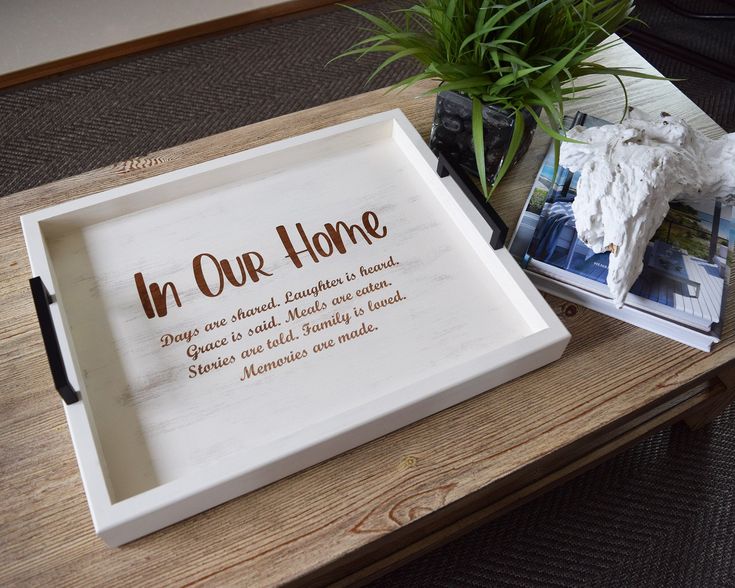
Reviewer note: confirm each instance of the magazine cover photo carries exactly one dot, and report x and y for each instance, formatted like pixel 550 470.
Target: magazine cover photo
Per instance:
pixel 686 269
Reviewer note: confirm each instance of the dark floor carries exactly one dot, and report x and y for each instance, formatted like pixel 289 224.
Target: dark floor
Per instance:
pixel 81 121
pixel 709 45
pixel 660 514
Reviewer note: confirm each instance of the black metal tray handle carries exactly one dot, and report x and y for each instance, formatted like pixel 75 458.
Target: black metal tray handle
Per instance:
pixel 446 167
pixel 42 301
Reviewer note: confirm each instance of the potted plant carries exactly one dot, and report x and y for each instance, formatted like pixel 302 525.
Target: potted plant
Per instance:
pixel 499 64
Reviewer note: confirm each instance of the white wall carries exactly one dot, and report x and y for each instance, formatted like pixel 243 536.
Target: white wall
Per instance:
pixel 33 32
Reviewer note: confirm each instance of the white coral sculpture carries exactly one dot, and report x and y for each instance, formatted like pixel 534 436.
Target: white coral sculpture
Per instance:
pixel 629 174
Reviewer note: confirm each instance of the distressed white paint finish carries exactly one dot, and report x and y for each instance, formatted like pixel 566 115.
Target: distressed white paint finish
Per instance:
pixel 156 446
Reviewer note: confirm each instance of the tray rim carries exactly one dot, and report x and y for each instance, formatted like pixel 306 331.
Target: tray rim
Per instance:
pixel 164 504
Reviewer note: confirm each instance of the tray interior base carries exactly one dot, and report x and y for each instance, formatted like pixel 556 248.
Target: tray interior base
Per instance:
pixel 427 298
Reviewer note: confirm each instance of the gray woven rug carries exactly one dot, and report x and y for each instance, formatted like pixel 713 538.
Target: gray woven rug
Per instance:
pixel 78 122
pixel 661 514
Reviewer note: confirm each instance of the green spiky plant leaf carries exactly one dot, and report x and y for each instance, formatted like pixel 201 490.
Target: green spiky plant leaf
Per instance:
pixel 519 56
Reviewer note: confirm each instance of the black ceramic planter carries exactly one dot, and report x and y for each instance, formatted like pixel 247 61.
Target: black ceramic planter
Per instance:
pixel 451 133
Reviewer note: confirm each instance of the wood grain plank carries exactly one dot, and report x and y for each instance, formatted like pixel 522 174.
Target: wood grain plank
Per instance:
pixel 706 412
pixel 612 379
pixel 705 394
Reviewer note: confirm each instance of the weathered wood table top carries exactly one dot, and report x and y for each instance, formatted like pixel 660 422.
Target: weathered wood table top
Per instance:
pixel 370 508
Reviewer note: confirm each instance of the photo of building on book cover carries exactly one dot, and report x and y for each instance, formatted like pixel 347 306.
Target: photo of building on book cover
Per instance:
pixel 686 269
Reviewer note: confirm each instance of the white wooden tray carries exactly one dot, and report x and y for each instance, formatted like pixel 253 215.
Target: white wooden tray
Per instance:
pixel 399 312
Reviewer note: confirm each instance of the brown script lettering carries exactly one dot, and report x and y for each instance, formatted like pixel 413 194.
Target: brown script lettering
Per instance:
pixel 158 294
pixel 250 266
pixel 324 244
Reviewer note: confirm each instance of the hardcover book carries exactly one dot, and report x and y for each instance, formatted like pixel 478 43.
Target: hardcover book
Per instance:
pixel 682 289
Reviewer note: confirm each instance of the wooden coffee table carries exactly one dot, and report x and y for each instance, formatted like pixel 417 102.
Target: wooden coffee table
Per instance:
pixel 372 508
